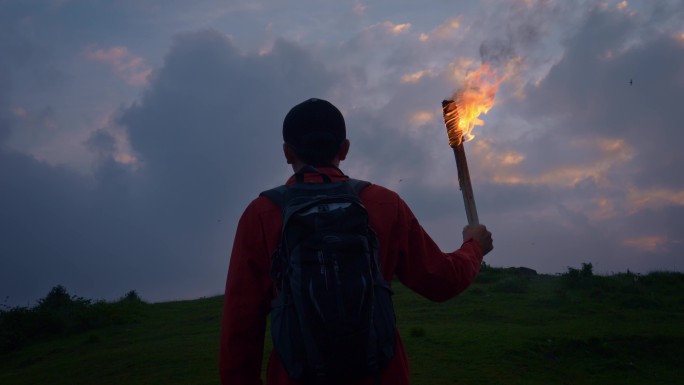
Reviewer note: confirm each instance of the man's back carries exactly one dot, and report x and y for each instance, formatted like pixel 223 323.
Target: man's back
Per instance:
pixel 406 252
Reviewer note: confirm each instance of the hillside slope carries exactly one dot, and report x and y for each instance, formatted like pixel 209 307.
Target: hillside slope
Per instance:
pixel 508 328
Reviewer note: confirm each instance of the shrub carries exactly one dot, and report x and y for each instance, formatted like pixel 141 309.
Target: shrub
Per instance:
pixel 579 278
pixel 489 274
pixel 16 326
pixel 58 314
pixel 131 296
pixel 512 285
pixel 664 279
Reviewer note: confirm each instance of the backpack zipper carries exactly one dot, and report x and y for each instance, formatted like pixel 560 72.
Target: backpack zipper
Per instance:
pixel 340 299
pixel 321 262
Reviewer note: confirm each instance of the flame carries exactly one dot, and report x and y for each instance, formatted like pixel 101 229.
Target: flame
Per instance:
pixel 476 97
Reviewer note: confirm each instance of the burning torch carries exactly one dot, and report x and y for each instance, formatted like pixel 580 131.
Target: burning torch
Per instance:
pixel 461 114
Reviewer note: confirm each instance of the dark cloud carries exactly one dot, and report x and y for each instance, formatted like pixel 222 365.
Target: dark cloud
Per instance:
pixel 616 138
pixel 102 143
pixel 581 137
pixel 209 112
pixel 14 49
pixel 44 237
pixel 207 136
pixel 590 91
pixel 5 119
pixel 205 139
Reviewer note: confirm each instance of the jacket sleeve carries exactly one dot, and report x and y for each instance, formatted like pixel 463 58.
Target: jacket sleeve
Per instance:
pixel 424 268
pixel 246 304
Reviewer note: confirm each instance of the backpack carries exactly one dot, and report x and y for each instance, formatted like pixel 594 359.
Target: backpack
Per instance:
pixel 332 318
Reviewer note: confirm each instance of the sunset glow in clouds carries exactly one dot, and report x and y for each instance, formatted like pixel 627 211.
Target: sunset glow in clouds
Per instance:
pixel 133 134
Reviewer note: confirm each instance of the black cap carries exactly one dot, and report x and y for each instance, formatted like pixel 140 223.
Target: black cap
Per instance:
pixel 315 129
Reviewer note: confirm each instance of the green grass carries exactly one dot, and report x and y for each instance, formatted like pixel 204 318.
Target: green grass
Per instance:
pixel 505 329
pixel 170 343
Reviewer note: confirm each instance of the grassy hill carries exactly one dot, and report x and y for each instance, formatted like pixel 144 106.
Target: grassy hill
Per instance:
pixel 508 328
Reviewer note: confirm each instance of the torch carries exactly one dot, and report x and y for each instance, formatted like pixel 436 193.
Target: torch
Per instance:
pixel 455 134
pixel 461 115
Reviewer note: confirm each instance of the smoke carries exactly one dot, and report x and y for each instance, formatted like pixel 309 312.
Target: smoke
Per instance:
pixel 497 51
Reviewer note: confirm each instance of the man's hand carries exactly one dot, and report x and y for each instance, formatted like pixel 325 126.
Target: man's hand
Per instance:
pixel 481 235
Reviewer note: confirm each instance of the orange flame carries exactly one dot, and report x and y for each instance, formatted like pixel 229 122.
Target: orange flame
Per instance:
pixel 476 97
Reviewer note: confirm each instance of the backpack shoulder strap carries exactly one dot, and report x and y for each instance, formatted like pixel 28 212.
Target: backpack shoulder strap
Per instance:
pixel 278 195
pixel 357 185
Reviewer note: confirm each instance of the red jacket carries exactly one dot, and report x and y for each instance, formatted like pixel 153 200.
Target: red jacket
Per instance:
pixel 406 251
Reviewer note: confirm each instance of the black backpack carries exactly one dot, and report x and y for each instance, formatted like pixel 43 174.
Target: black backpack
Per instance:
pixel 332 320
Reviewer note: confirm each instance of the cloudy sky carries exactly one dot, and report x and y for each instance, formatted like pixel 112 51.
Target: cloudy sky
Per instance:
pixel 133 133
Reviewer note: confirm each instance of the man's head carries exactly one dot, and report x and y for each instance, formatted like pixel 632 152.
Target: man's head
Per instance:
pixel 315 132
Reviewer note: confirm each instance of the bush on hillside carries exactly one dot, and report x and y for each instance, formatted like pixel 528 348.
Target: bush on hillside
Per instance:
pixel 60 314
pixel 579 278
pixel 512 285
pixel 489 274
pixel 513 280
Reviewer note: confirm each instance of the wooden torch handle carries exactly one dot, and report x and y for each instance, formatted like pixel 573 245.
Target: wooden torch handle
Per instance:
pixel 465 185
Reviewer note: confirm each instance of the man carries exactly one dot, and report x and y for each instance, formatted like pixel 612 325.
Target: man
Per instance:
pixel 314 133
